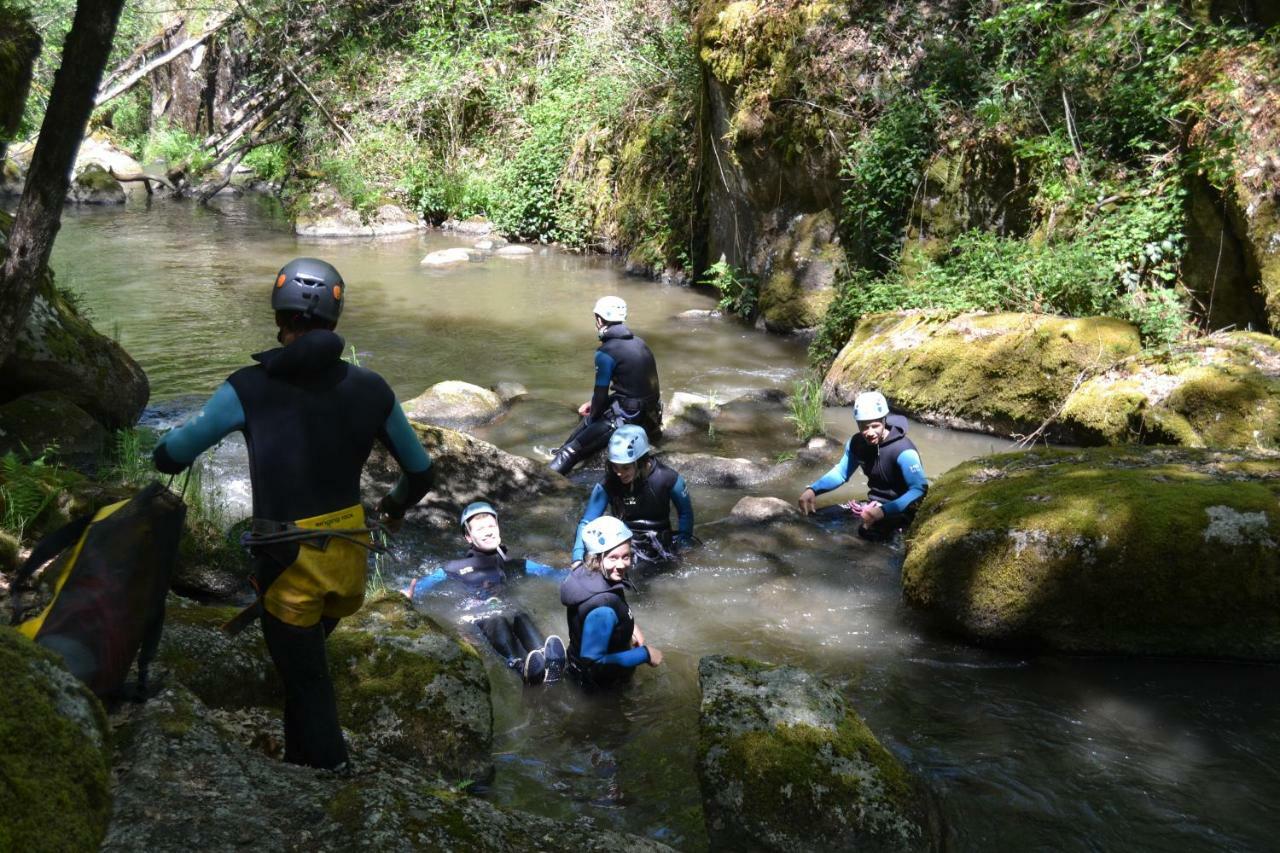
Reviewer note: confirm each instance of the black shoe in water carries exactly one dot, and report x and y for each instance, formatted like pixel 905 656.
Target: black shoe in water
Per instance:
pixel 535 668
pixel 553 652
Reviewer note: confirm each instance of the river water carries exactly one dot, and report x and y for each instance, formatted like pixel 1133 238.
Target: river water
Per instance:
pixel 1024 752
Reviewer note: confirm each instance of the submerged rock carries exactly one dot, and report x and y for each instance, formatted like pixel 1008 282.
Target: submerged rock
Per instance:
pixel 1221 391
pixel 689 415
pixel 786 765
pixel 455 404
pixel 705 469
pixel 55 792
pixel 1116 550
pixel 449 257
pixel 514 252
pixel 1003 373
pixel 188 781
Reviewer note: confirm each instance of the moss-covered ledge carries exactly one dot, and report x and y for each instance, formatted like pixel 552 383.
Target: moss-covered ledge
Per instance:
pixel 1118 550
pixel 785 764
pixel 1004 373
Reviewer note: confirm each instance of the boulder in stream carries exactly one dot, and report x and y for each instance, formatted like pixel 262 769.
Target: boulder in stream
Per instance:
pixel 705 469
pixel 50 420
pixel 94 185
pixel 1115 550
pixel 324 213
pixel 451 257
pixel 785 764
pixel 55 791
pixel 455 404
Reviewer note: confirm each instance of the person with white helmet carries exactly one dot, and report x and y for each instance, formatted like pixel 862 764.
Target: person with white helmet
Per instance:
pixel 891 462
pixel 483 573
pixel 640 490
pixel 625 390
pixel 605 644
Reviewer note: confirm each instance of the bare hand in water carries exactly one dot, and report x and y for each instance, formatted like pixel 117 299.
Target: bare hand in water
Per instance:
pixel 808 502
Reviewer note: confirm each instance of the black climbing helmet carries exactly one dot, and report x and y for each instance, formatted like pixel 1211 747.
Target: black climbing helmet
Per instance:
pixel 310 287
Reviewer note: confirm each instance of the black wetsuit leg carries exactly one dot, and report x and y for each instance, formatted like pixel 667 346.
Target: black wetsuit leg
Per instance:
pixel 512 638
pixel 527 632
pixel 589 437
pixel 312 734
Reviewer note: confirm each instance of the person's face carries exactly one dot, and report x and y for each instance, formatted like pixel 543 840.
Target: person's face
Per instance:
pixel 626 472
pixel 873 432
pixel 616 563
pixel 483 533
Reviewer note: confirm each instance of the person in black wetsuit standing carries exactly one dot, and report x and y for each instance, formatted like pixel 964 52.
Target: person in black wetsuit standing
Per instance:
pixel 625 392
pixel 309 420
pixel 484 573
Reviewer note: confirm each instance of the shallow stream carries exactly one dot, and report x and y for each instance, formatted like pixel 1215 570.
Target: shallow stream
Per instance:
pixel 1024 752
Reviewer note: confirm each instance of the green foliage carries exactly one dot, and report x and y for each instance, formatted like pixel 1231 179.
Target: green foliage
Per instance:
pixel 269 162
pixel 863 292
pixel 175 147
pixel 27 489
pixel 130 458
pixel 739 291
pixel 807 411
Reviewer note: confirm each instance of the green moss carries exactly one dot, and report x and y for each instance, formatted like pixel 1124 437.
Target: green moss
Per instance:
pixel 51 773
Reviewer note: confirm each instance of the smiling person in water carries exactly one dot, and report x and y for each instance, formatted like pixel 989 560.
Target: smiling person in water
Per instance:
pixel 483 573
pixel 895 474
pixel 605 644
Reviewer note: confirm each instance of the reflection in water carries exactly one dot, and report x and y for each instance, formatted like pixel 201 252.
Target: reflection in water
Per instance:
pixel 1024 752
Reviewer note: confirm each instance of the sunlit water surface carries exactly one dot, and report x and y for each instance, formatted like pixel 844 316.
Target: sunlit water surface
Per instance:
pixel 1043 753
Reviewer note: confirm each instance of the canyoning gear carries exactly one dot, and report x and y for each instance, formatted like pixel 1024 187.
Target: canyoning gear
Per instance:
pixel 870 406
pixel 534 668
pixel 110 580
pixel 611 309
pixel 604 534
pixel 311 287
pixel 895 474
pixel 477 508
pixel 628 444
pixel 644 504
pixel 554 652
pixel 600 629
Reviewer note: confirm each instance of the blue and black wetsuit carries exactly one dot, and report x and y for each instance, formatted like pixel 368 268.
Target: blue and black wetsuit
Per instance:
pixel 310 420
pixel 484 576
pixel 645 506
pixel 625 391
pixel 895 475
pixel 600 629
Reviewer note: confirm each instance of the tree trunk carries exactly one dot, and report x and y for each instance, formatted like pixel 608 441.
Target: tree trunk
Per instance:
pixel 39 213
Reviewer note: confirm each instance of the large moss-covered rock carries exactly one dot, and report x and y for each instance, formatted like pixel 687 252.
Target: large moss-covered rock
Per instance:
pixel 1116 550
pixel 54 788
pixel 785 764
pixel 454 404
pixel 1003 373
pixel 58 349
pixel 96 186
pixel 799 267
pixel 405 686
pixel 324 213
pixel 189 781
pixel 48 422
pixel 1221 392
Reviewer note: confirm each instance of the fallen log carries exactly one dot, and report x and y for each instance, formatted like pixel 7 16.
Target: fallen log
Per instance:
pixel 160 61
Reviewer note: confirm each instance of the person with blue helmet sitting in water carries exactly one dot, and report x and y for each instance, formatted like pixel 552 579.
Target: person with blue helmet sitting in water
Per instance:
pixel 891 462
pixel 484 573
pixel 605 644
pixel 640 490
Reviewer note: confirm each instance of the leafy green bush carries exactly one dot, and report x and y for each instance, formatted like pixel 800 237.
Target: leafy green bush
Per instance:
pixel 739 291
pixel 269 162
pixel 175 147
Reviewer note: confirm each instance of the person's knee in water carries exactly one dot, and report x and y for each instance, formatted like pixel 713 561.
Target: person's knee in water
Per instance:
pixel 625 390
pixel 640 490
pixel 304 388
pixel 895 475
pixel 605 643
pixel 483 573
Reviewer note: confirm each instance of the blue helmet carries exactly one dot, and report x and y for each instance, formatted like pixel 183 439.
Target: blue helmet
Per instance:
pixel 628 444
pixel 604 534
pixel 477 508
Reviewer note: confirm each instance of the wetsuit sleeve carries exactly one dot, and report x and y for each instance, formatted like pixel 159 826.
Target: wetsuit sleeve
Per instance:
pixel 596 629
pixel 415 465
pixel 533 567
pixel 221 415
pixel 596 505
pixel 420 587
pixel 913 472
pixel 684 508
pixel 838 475
pixel 600 393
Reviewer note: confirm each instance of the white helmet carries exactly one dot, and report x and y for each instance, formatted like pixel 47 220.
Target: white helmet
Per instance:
pixel 611 309
pixel 627 444
pixel 870 406
pixel 604 534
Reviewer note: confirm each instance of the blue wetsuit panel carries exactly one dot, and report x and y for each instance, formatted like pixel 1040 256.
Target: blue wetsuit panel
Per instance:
pixel 420 587
pixel 595 640
pixel 532 567
pixel 684 507
pixel 839 473
pixel 222 415
pixel 913 471
pixel 407 450
pixel 596 506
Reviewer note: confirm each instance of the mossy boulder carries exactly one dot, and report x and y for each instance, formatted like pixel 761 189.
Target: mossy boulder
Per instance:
pixel 800 267
pixel 188 780
pixel 454 404
pixel 55 792
pixel 785 764
pixel 406 687
pixel 96 186
pixel 1221 392
pixel 48 422
pixel 58 349
pixel 325 213
pixel 1004 373
pixel 1115 550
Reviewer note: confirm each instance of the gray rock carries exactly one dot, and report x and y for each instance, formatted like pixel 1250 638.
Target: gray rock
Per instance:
pixel 708 470
pixel 753 510
pixel 514 252
pixel 95 186
pixel 476 226
pixel 698 315
pixel 489 244
pixel 509 392
pixel 50 420
pixel 325 213
pixel 454 404
pixel 786 765
pixel 450 257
